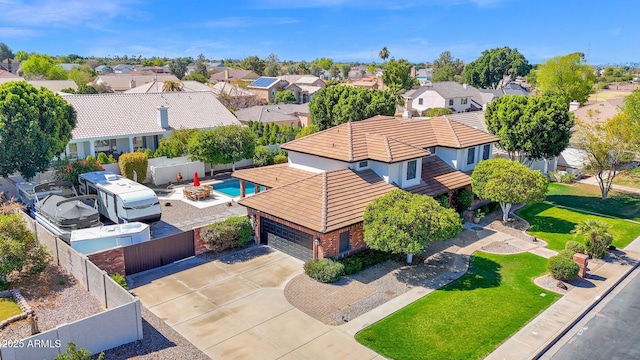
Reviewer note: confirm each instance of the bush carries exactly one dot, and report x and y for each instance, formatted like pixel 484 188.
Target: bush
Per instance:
pixel 280 159
pixel 597 250
pixel 433 112
pixel 103 158
pixel 231 233
pixel 463 200
pixel 73 353
pixel 149 153
pixel 135 161
pixel 262 156
pixel 562 268
pixel 576 247
pixel 568 253
pixel 554 176
pixel 65 170
pixel 443 200
pixel 324 270
pixel 363 260
pixel 120 280
pixel 567 178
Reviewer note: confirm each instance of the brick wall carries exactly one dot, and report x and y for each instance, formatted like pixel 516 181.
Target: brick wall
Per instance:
pixel 111 261
pixel 329 242
pixel 199 244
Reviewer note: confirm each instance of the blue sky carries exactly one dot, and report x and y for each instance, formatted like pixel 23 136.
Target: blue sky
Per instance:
pixel 344 30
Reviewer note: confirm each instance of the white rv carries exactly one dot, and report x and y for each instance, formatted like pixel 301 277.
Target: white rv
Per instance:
pixel 119 199
pixel 87 241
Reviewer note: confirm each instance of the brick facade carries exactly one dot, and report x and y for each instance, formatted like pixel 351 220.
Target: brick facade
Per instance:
pixel 111 261
pixel 325 244
pixel 199 244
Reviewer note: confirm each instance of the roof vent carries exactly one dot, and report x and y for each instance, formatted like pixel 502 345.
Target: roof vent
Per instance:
pixel 163 117
pixel 111 177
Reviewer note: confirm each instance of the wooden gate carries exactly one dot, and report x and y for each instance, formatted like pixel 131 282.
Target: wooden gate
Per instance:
pixel 155 253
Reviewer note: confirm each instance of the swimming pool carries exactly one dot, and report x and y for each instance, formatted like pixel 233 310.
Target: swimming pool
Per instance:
pixel 232 188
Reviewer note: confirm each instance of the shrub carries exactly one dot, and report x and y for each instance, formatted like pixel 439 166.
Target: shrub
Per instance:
pixel 103 158
pixel 597 249
pixel 135 161
pixel 73 353
pixel 324 270
pixel 567 178
pixel 568 253
pixel 463 199
pixel 262 156
pixel 66 170
pixel 554 176
pixel 280 159
pixel 233 232
pixel 120 280
pixel 562 268
pixel 149 153
pixel 437 112
pixel 281 151
pixel 443 200
pixel 363 260
pixel 576 247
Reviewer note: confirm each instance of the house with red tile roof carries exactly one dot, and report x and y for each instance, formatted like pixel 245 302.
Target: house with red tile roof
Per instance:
pixel 313 206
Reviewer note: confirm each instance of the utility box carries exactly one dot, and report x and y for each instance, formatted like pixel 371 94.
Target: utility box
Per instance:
pixel 582 260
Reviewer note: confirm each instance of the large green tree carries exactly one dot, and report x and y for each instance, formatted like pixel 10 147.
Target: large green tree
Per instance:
pixel 35 126
pixel 254 64
pixel 201 66
pixel 5 52
pixel 42 67
pixel 530 128
pixel 175 145
pixel 178 67
pixel 337 105
pixel 631 108
pixel 446 68
pixel 19 248
pixel 609 148
pixel 397 74
pixel 284 96
pixel 491 68
pixel 402 222
pixel 223 145
pixel 566 76
pixel 508 182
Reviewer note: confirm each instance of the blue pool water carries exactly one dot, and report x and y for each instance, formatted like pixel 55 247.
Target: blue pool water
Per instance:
pixel 232 188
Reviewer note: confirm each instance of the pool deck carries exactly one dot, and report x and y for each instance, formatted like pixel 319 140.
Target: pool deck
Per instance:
pixel 216 197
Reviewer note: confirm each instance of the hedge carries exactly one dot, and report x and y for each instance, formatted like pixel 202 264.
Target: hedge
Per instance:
pixel 135 161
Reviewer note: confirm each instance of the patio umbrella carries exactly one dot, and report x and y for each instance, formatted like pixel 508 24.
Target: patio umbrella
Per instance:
pixel 196 181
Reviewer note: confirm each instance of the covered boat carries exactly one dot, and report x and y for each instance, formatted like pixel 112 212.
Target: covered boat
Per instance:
pixel 61 215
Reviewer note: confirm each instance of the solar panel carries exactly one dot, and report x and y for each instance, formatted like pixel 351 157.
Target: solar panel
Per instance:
pixel 264 82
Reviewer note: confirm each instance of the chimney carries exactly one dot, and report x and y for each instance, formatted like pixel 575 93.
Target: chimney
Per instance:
pixel 413 71
pixel 407 108
pixel 464 85
pixel 574 105
pixel 132 84
pixel 163 117
pixel 226 74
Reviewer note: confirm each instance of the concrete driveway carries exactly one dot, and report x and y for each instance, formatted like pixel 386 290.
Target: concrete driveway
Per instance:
pixel 234 308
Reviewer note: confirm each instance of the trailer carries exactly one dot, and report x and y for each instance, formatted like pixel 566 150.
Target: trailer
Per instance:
pixel 87 241
pixel 119 199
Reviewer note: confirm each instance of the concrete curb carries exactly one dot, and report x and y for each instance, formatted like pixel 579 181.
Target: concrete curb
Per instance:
pixel 551 342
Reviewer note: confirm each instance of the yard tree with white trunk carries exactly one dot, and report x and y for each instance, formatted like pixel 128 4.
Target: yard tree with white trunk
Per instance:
pixel 222 145
pixel 609 147
pixel 529 127
pixel 508 182
pixel 402 222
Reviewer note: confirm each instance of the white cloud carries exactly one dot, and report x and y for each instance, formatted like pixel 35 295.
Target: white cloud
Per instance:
pixel 10 32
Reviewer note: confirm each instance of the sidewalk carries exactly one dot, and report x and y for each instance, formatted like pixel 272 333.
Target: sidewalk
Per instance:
pixel 592 181
pixel 543 331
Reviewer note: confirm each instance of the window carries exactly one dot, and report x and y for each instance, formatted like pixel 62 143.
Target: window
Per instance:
pixel 486 151
pixel 411 169
pixel 345 242
pixel 420 101
pixel 471 155
pixel 363 164
pixel 450 102
pixel 73 151
pixel 463 101
pixel 432 149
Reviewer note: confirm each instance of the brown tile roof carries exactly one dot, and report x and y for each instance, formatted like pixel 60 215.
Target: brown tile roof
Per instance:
pixel 602 111
pixel 438 178
pixel 273 175
pixel 234 74
pixel 386 149
pixel 350 141
pixel 323 202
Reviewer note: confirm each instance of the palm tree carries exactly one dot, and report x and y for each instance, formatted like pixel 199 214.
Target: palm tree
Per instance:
pixel 384 54
pixel 597 236
pixel 170 85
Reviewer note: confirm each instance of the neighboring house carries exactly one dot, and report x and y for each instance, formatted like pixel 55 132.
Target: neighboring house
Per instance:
pixel 230 89
pixel 266 88
pixel 5 74
pixel 120 123
pixel 511 88
pixel 446 94
pixel 314 205
pixel 123 68
pixel 122 82
pixel 304 87
pixel 53 85
pixel 359 72
pixel 422 75
pixel 213 66
pixel 103 69
pixel 366 83
pixel 156 87
pixel 296 115
pixel 234 76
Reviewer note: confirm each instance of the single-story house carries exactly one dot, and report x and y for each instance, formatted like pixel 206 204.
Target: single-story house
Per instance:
pixel 234 76
pixel 120 123
pixel 313 206
pixel 53 85
pixel 445 94
pixel 123 82
pixel 296 115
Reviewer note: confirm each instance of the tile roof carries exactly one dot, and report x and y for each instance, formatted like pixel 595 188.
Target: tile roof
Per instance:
pixel 121 82
pixel 234 74
pixel 273 113
pixel 323 202
pixel 474 119
pixel 349 142
pixel 53 85
pixel 230 89
pixel 438 178
pixel 156 87
pixel 272 175
pixel 111 115
pixel 264 82
pixel 605 110
pixel 8 75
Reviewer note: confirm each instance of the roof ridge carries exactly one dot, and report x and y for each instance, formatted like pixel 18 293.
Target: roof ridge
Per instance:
pixel 387 147
pixel 455 135
pixel 325 204
pixel 350 140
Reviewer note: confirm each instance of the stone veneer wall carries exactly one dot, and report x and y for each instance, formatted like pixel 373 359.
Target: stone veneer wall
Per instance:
pixel 111 261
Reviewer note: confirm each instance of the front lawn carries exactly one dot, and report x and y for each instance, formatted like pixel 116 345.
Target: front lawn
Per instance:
pixel 554 225
pixel 468 318
pixel 587 197
pixel 8 308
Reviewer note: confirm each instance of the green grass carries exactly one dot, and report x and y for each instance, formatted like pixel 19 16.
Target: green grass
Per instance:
pixel 588 197
pixel 554 225
pixel 630 178
pixel 468 318
pixel 8 308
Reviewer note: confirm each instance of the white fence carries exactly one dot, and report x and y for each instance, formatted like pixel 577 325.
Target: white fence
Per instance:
pixel 120 324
